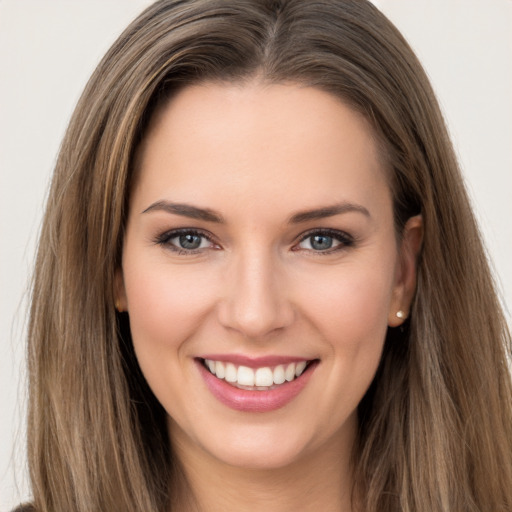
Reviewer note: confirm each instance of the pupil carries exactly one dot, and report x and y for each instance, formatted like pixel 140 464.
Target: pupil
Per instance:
pixel 321 242
pixel 190 241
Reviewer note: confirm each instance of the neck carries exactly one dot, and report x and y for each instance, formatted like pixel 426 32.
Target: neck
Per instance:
pixel 320 480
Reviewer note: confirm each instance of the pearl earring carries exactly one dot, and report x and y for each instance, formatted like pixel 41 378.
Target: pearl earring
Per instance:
pixel 118 306
pixel 400 314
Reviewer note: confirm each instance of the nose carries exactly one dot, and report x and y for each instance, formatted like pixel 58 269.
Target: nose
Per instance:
pixel 255 302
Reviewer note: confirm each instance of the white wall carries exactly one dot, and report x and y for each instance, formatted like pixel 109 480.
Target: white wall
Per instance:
pixel 48 48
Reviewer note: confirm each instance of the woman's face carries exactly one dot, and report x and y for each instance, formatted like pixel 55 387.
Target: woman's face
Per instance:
pixel 260 240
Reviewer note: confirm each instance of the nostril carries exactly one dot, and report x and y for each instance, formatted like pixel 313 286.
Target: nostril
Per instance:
pixel 255 320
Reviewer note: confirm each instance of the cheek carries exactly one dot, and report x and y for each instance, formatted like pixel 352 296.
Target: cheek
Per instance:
pixel 166 303
pixel 352 305
pixel 166 307
pixel 350 311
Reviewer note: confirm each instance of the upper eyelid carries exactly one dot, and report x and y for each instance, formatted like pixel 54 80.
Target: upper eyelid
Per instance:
pixel 171 233
pixel 326 231
pixel 179 231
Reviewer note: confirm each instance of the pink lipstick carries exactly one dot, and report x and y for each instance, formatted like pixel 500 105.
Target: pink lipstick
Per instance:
pixel 255 384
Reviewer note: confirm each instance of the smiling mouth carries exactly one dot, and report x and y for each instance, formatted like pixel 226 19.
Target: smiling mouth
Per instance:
pixel 256 379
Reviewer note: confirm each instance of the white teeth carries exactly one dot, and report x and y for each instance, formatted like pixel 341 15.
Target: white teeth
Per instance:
pixel 264 377
pixel 231 372
pixel 245 376
pixel 289 374
pixel 300 368
pixel 279 376
pixel 220 370
pixel 261 378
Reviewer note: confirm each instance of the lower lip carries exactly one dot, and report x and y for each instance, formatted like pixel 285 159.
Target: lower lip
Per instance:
pixel 255 401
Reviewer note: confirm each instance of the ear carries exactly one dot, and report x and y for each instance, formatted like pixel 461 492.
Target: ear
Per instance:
pixel 121 302
pixel 406 272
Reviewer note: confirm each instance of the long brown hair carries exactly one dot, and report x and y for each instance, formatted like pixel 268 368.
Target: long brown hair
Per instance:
pixel 436 423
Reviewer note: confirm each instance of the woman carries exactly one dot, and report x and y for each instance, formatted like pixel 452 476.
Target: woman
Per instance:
pixel 260 284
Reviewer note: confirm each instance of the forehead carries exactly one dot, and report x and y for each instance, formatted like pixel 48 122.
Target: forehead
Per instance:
pixel 259 142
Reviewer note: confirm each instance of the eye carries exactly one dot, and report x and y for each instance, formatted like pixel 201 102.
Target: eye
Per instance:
pixel 325 240
pixel 185 241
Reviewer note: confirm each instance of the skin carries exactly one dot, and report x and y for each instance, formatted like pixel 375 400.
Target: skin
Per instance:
pixel 256 155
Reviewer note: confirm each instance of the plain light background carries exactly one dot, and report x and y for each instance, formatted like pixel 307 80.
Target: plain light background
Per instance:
pixel 48 49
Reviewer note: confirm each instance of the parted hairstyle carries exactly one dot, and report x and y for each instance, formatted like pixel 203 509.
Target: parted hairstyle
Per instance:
pixel 435 426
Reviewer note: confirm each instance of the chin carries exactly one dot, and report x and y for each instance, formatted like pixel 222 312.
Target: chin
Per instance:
pixel 260 456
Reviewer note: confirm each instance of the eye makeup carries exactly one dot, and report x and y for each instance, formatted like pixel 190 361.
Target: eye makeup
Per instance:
pixel 186 241
pixel 324 241
pixel 189 241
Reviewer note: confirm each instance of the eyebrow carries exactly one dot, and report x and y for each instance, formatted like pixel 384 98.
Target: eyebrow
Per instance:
pixel 208 215
pixel 186 210
pixel 328 211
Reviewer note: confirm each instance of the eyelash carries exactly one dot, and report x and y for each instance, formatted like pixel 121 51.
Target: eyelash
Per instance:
pixel 345 240
pixel 165 240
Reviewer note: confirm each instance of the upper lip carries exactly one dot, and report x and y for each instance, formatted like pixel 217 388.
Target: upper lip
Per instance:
pixel 255 362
